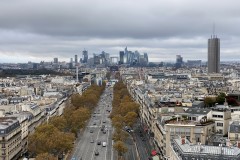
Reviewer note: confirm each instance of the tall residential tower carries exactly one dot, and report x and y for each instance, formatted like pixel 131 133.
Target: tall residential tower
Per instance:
pixel 214 54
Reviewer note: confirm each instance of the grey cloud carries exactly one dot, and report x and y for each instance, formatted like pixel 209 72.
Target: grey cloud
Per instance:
pixel 161 28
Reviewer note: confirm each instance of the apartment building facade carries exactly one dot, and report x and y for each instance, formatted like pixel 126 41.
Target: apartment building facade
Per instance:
pixel 10 138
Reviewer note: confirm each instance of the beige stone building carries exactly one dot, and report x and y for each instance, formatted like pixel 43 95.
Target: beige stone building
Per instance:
pixel 195 132
pixel 234 132
pixel 10 138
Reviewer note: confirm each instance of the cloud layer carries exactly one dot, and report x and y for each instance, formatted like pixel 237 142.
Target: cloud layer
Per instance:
pixel 40 30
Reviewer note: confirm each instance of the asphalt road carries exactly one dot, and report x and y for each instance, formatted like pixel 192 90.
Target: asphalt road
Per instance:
pixel 131 153
pixel 87 145
pixel 142 142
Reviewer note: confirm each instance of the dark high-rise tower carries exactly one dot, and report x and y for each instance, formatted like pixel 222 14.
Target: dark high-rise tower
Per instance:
pixel 85 56
pixel 179 61
pixel 55 60
pixel 76 59
pixel 213 54
pixel 121 56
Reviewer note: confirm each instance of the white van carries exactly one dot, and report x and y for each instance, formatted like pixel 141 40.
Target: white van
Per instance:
pixel 104 144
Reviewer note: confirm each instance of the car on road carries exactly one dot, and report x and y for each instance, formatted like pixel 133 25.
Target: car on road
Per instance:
pixel 104 121
pixel 104 144
pixel 94 123
pixel 96 153
pixel 73 158
pixel 91 131
pixel 99 143
pixel 104 131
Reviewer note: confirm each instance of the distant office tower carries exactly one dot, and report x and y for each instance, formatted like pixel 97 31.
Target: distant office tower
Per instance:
pixel 114 60
pixel 179 61
pixel 213 54
pixel 142 60
pixel 76 59
pixel 97 59
pixel 85 56
pixel 126 56
pixel 121 56
pixel 194 63
pixel 146 56
pixel 55 60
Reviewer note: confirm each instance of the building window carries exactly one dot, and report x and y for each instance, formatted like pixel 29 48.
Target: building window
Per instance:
pixel 3 152
pixel 236 136
pixel 220 124
pixel 217 116
pixel 198 139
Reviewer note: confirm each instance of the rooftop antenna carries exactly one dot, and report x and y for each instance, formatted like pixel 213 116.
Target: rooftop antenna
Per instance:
pixel 214 36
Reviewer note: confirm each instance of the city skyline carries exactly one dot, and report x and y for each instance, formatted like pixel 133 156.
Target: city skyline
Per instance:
pixel 161 29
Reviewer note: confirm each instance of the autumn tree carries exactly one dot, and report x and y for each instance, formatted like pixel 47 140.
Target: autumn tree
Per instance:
pixel 120 148
pixel 118 121
pixel 120 135
pixel 45 156
pixel 124 113
pixel 209 101
pixel 130 118
pixel 78 119
pixel 48 139
pixel 128 107
pixel 59 122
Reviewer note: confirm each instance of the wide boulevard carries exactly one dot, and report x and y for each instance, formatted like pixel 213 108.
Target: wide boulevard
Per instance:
pixel 91 145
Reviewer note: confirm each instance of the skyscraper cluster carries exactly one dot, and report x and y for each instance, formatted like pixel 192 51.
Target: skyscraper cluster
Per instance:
pixel 133 58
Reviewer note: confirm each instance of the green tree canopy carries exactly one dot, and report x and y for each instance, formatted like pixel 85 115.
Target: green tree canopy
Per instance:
pixel 221 98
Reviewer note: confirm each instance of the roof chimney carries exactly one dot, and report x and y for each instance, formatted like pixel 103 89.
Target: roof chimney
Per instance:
pixel 183 140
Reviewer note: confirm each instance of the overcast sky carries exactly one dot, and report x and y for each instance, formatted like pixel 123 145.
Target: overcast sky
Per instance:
pixel 35 30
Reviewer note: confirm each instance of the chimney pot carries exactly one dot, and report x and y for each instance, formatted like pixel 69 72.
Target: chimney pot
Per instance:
pixel 183 140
